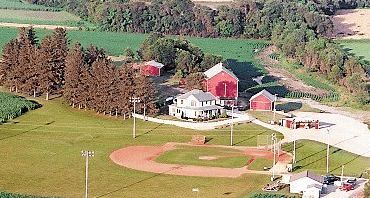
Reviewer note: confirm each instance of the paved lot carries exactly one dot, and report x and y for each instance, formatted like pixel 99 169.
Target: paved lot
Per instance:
pixel 344 132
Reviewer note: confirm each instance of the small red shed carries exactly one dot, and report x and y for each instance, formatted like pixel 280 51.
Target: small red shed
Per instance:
pixel 222 83
pixel 262 101
pixel 151 68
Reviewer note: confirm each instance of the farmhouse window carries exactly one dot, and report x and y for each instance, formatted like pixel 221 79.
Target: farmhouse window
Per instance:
pixel 193 103
pixel 182 101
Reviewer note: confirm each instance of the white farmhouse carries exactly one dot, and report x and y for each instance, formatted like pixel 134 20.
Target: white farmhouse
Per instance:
pixel 307 183
pixel 195 104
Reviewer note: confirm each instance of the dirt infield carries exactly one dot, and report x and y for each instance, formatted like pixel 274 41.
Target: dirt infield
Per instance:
pixel 352 24
pixel 142 158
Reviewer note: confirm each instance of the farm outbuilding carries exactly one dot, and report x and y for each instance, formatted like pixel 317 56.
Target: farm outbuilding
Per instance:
pixel 151 68
pixel 223 84
pixel 262 101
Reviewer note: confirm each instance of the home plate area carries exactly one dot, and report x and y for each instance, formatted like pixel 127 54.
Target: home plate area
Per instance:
pixel 144 158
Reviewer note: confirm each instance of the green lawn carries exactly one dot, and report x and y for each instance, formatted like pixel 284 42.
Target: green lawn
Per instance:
pixel 266 116
pixel 295 106
pixel 40 155
pixel 359 48
pixel 227 158
pixel 312 156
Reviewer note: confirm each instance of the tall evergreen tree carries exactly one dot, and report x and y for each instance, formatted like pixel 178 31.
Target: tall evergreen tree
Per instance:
pixel 145 90
pixel 74 64
pixel 45 66
pixel 9 64
pixel 60 51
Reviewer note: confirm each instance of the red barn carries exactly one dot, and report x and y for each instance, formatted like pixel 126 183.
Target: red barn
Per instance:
pixel 222 83
pixel 151 68
pixel 262 101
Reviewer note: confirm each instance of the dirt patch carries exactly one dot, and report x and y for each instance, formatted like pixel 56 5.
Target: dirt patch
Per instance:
pixel 352 24
pixel 208 158
pixel 283 77
pixel 214 4
pixel 51 27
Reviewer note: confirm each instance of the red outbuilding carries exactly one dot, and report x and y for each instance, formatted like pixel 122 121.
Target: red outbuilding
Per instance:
pixel 151 68
pixel 222 83
pixel 262 101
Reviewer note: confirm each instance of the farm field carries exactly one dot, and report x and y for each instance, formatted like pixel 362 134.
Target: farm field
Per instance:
pixel 38 17
pixel 41 156
pixel 352 24
pixel 21 5
pixel 12 106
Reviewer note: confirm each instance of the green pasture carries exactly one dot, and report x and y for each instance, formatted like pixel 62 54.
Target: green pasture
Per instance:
pixel 23 5
pixel 227 158
pixel 41 156
pixel 312 156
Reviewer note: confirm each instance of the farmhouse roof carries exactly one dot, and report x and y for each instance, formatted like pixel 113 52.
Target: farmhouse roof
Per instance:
pixel 204 108
pixel 199 95
pixel 154 63
pixel 265 93
pixel 318 186
pixel 308 174
pixel 217 69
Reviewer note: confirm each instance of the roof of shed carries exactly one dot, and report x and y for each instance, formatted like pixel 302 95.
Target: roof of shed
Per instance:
pixel 154 63
pixel 265 93
pixel 198 94
pixel 308 174
pixel 217 69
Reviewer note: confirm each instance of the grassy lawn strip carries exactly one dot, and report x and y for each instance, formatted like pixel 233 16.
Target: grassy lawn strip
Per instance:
pixel 265 116
pixel 41 155
pixel 260 163
pixel 311 155
pixel 358 48
pixel 188 155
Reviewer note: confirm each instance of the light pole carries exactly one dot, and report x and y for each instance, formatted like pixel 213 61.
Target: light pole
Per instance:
pixel 145 112
pixel 232 126
pixel 134 100
pixel 87 155
pixel 327 152
pixel 294 152
pixel 273 139
pixel 341 178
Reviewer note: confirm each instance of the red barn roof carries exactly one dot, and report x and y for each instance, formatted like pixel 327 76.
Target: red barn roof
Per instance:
pixel 217 69
pixel 265 93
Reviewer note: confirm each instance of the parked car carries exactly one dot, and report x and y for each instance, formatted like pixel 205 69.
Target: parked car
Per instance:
pixel 330 179
pixel 347 187
pixel 352 181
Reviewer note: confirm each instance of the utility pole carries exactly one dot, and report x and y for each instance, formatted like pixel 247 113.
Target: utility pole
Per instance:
pixel 327 152
pixel 134 100
pixel 232 125
pixel 341 177
pixel 273 139
pixel 145 112
pixel 87 155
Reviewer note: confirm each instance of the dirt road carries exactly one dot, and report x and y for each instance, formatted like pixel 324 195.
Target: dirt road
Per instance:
pixel 51 27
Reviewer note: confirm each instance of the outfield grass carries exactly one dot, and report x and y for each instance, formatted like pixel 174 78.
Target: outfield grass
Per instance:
pixel 259 164
pixel 41 156
pixel 227 158
pixel 312 156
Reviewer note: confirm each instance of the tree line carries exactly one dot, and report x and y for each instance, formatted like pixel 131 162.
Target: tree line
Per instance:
pixel 86 77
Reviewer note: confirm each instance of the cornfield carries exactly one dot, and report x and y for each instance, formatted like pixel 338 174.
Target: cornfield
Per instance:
pixel 12 195
pixel 12 106
pixel 330 97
